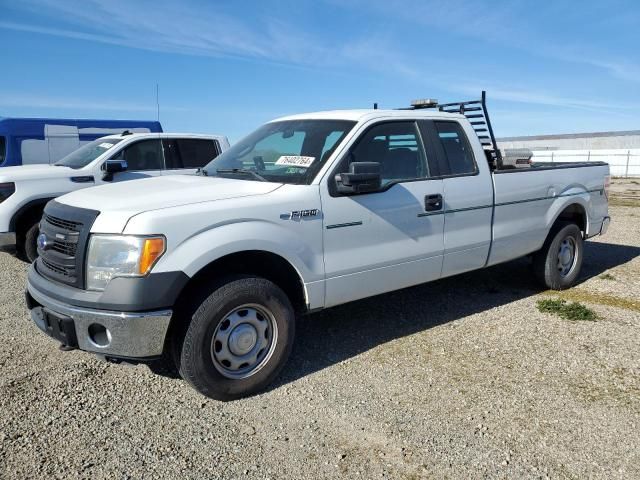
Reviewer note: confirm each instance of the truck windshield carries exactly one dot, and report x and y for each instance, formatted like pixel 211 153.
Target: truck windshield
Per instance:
pixel 285 152
pixel 87 153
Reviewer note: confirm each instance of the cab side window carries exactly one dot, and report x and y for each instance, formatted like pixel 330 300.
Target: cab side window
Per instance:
pixel 143 155
pixel 397 147
pixel 456 147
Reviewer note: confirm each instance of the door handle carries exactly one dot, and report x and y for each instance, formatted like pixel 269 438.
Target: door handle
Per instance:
pixel 433 202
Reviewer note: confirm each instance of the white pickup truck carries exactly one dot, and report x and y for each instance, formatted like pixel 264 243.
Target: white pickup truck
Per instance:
pixel 309 211
pixel 25 190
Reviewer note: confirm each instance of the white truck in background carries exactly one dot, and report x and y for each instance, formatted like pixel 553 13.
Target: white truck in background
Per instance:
pixel 208 272
pixel 25 189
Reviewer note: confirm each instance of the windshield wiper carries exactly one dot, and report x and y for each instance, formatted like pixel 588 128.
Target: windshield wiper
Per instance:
pixel 242 171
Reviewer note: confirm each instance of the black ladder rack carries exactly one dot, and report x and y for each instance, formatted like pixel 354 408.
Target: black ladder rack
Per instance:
pixel 477 114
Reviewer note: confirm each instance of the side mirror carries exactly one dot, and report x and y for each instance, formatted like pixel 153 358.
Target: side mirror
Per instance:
pixel 363 177
pixel 113 166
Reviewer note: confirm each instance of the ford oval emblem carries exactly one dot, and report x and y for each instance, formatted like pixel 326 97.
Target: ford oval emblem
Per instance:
pixel 43 242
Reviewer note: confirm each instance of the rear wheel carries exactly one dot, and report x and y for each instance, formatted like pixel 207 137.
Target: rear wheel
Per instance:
pixel 557 265
pixel 238 339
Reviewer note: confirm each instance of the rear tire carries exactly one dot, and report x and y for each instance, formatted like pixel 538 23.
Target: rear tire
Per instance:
pixel 557 264
pixel 238 339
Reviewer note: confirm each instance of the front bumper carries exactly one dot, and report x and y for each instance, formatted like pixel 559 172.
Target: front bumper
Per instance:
pixel 130 335
pixel 7 239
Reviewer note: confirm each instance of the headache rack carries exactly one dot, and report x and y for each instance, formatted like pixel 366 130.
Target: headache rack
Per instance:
pixel 476 112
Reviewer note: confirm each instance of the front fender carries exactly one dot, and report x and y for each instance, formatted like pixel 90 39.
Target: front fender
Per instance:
pixel 199 250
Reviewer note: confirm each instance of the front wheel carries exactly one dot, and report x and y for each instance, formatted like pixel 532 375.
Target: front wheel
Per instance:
pixel 238 339
pixel 557 265
pixel 27 243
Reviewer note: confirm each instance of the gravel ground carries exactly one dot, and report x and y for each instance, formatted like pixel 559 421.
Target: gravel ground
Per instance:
pixel 461 378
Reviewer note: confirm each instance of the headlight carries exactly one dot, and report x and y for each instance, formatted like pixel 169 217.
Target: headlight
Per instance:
pixel 121 256
pixel 6 190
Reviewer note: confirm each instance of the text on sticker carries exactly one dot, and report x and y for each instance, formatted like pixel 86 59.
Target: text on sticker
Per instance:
pixel 295 161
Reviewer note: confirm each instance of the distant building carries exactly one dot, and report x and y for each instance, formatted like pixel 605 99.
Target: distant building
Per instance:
pixel 575 141
pixel 621 150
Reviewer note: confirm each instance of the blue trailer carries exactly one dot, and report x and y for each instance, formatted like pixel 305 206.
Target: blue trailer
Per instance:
pixel 28 141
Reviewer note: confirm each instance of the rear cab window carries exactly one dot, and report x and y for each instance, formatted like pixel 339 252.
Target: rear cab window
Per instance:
pixel 455 148
pixel 189 152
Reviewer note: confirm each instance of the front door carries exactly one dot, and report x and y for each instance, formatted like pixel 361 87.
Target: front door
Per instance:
pixel 387 240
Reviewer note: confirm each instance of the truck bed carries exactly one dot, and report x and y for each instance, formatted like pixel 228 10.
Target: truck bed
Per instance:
pixel 529 199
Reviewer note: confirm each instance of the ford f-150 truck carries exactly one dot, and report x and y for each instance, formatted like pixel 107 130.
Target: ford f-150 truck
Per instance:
pixel 24 190
pixel 208 272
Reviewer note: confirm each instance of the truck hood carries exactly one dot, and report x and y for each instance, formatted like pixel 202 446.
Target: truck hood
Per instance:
pixel 138 196
pixel 35 172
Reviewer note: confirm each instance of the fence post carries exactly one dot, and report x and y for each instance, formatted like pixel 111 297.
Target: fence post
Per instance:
pixel 552 156
pixel 589 156
pixel 626 172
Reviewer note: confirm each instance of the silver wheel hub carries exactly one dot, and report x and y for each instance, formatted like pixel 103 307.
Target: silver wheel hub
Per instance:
pixel 566 256
pixel 244 341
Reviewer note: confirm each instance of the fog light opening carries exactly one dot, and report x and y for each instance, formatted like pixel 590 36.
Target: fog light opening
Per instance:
pixel 99 335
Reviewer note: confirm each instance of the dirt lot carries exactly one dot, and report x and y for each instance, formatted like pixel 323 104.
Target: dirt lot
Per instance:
pixel 461 378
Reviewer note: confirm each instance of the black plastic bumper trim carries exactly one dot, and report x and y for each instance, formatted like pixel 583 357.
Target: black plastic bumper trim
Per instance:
pixel 153 292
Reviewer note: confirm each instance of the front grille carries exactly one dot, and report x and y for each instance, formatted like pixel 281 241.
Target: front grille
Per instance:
pixel 66 232
pixel 60 223
pixel 59 270
pixel 66 248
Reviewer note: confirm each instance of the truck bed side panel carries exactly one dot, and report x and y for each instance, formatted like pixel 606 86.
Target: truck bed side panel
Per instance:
pixel 527 203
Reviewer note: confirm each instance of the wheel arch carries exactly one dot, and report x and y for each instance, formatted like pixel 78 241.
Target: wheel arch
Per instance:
pixel 28 212
pixel 574 212
pixel 262 263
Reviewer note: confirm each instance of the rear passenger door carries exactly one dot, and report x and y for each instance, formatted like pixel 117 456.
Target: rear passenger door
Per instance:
pixel 186 155
pixel 468 197
pixel 144 159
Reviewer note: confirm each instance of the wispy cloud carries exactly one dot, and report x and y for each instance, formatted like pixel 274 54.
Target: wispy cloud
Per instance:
pixel 20 100
pixel 174 27
pixel 533 97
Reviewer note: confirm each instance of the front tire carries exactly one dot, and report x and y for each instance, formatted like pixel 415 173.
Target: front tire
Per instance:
pixel 238 339
pixel 27 243
pixel 557 265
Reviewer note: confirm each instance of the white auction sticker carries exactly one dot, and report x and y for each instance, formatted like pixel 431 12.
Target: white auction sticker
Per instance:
pixel 295 161
pixel 106 145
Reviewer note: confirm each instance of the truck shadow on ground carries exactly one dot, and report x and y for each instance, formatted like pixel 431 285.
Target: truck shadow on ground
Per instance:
pixel 339 333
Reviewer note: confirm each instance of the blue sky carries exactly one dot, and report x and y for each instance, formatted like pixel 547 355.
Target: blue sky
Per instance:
pixel 225 67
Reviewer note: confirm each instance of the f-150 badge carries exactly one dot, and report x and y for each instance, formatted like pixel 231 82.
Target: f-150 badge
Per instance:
pixel 300 214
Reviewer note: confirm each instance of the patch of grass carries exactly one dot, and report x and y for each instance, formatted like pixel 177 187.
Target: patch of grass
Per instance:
pixel 607 276
pixel 569 311
pixel 623 202
pixel 580 295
